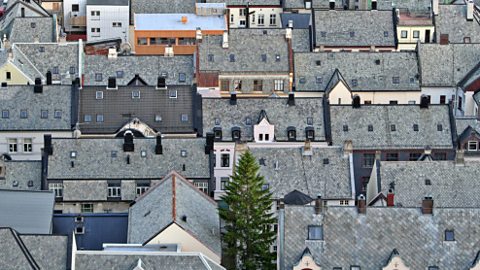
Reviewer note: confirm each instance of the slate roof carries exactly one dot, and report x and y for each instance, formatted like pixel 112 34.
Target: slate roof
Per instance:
pixel 462 123
pixel 107 2
pixel 49 57
pixel 171 6
pixel 414 6
pixel 451 185
pixel 325 4
pixel 242 44
pixel 294 4
pixel 244 2
pixel 279 114
pixel 446 65
pixel 452 20
pixel 32 29
pixel 286 169
pixel 24 175
pixel 14 10
pixel 363 71
pixel 21 97
pixel 381 117
pixel 354 28
pixel 149 68
pixel 33 205
pixel 19 251
pixel 153 212
pixel 367 240
pixel 301 40
pixel 118 108
pixel 85 260
pixel 94 159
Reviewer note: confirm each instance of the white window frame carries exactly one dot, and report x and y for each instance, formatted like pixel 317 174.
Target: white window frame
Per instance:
pixel 27 145
pixel 99 95
pixel 261 19
pixel 12 145
pixel 57 188
pixel 172 94
pixel 202 186
pixel 273 19
pixel 114 191
pixel 474 143
pixel 84 208
pixel 139 190
pixel 279 85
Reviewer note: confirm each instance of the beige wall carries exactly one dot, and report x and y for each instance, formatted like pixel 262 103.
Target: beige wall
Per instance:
pixel 396 264
pixel 340 95
pixel 409 43
pixel 174 234
pixel 386 97
pixel 17 77
pixel 307 262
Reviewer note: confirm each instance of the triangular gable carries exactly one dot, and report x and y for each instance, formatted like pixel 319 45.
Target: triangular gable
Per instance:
pixel 476 262
pixel 137 81
pixel 379 200
pixel 395 262
pixel 263 116
pixel 306 261
pixel 336 78
pixel 471 81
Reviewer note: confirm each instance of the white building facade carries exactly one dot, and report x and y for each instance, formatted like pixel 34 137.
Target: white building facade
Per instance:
pixel 107 20
pixel 74 15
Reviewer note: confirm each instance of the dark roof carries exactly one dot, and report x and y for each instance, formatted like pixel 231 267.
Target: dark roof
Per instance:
pixel 107 2
pixel 297 198
pixel 154 211
pixel 299 20
pixel 382 117
pixel 119 108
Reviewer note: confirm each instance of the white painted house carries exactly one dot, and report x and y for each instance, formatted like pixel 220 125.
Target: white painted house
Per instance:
pixel 107 19
pixel 74 15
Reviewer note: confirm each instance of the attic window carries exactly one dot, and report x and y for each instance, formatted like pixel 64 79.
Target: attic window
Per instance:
pixel 158 118
pixel 393 128
pixel 318 63
pixel 319 80
pixel 449 235
pixel 354 82
pixel 326 161
pixel 33 25
pixel 113 154
pixel 264 58
pixel 345 128
pixel 99 95
pixel 211 58
pixel 184 117
pixel 315 232
pixel 172 93
pixel 428 182
pixel 41 49
pixel 396 80
pixel 143 153
pixel 302 80
pixel 262 162
pixel 412 80
pixel 309 120
pixel 98 77
pixel 217 121
pixel 119 73
pixel 183 153
pixel 55 70
pixel 72 70
pixel 277 57
pixel 135 94
pixel 232 57
pixel 385 33
pixel 370 128
pixel 248 121
pixel 377 62
pixel 439 127
pixel 23 114
pixel 352 34
pixel 323 34
pixel 182 77
pixel 265 186
pixel 415 127
pixel 73 154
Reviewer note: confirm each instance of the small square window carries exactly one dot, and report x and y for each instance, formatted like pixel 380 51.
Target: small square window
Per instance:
pixel 33 25
pixel 135 94
pixel 404 34
pixel 392 156
pixel 143 153
pixel 211 58
pixel 323 34
pixel 5 114
pixel 416 34
pixel 370 128
pixel 172 93
pixel 345 128
pixel 277 57
pixel 183 153
pixel 158 118
pixel 393 128
pixel 55 70
pixel 449 235
pixel 428 182
pixel 232 57
pixel 352 34
pixel 309 120
pixel 315 233
pixel 73 154
pixel 113 154
pixel 264 58
pixel 99 95
pixel 396 80
pixel 326 161
pixel 184 118
pixel 354 82
pixel 99 117
pixel 119 74
pixel 385 33
pixel 318 63
pixel 87 118
pixel 182 77
pixel 23 114
pixel 44 114
pixel 57 114
pixel 302 80
pixel 98 77
pixel 415 127
pixel 319 80
pixel 439 127
pixel 41 49
pixel 72 70
pixel 217 121
pixel 248 121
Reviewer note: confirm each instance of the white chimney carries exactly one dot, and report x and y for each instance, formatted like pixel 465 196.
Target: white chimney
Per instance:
pixel 169 52
pixel 469 10
pixel 198 34
pixel 288 33
pixel 290 23
pixel 112 53
pixel 435 4
pixel 225 40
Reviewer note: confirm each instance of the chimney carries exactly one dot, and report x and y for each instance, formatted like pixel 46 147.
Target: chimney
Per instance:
pixel 112 53
pixel 347 148
pixel 390 198
pixel 184 19
pixel 318 205
pixel 158 145
pixel 424 102
pixel 38 88
pixel 49 77
pixel 356 101
pixel 209 143
pixel 198 34
pixel 362 206
pixel 48 148
pixel 169 52
pixel 460 157
pixel 427 206
pixel 233 99
pixel 112 83
pixel 128 145
pixel 435 6
pixel 291 99
pixel 161 84
pixel 307 149
pixel 469 10
pixel 290 24
pixel 225 40
pixel 288 33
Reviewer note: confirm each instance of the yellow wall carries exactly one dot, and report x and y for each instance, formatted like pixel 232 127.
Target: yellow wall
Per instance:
pixel 340 95
pixel 174 234
pixel 409 43
pixel 17 77
pixel 396 264
pixel 386 97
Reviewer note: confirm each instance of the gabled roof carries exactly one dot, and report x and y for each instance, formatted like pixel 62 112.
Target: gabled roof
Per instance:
pixel 382 117
pixel 467 133
pixel 364 71
pixel 334 80
pixel 261 116
pixel 175 200
pixel 18 208
pixel 349 28
pixel 25 175
pixel 32 29
pixel 452 20
pixel 297 198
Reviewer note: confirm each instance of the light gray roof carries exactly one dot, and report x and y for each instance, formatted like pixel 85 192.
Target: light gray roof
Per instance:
pixel 325 4
pixel 118 108
pixel 94 159
pixel 446 65
pixel 294 4
pixel 452 20
pixel 451 185
pixel 381 117
pixel 171 6
pixel 371 71
pixel 301 40
pixel 54 97
pixel 418 6
pixel 107 2
pixel 32 29
pixel 18 208
pixel 24 175
pixel 244 2
pixel 85 260
pixel 279 114
pixel 247 46
pixel 463 123
pixel 19 251
pixel 367 240
pixel 14 10
pixel 155 210
pixel 287 169
pixel 354 28
pixel 149 68
pixel 51 56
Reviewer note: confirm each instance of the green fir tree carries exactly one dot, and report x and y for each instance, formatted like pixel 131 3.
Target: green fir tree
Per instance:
pixel 248 218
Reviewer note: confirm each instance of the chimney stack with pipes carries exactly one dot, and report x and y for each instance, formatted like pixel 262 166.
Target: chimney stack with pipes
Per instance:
pixel 390 198
pixel 427 205
pixel 362 205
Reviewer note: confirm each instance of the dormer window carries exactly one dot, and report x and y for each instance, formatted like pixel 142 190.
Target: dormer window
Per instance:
pixel 135 94
pixel 415 127
pixel 232 57
pixel 99 95
pixel 291 134
pixel 370 128
pixel 315 232
pixel 310 133
pixel 182 77
pixel 236 133
pixel 248 121
pixel 217 133
pixel 217 121
pixel 393 128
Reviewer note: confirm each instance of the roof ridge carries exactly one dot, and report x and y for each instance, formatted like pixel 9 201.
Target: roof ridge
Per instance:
pixel 24 249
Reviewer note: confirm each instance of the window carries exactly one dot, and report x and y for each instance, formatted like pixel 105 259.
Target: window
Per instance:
pixel 136 94
pixel 44 114
pixel 257 85
pixel 242 11
pixel 354 267
pixel 172 93
pixel 231 18
pixel 224 183
pixel 416 34
pixel 261 19
pixel 370 128
pixel 225 160
pixel 352 34
pixel 99 117
pixel 182 77
pixel 27 145
pixel 9 75
pixel 433 268
pixel 395 80
pixel 354 82
pixel 95 13
pixel 184 117
pixel 72 70
pixel 442 99
pixel 277 57
pixel 141 41
pixel 302 80
pixel 385 33
pixel 33 25
pixel 142 188
pixel 278 85
pixel 12 145
pixel 393 102
pixel 119 74
pixel 345 128
pixel 41 49
pixel 243 22
pixel 55 70
pixel 211 58
pixel 449 235
pixel 86 208
pixel 393 128
pixel 75 7
pixel 87 118
pixel 116 24
pixel 98 77
pixel 99 95
pixel 460 103
pixel 343 202
pixel 95 30
pixel 5 114
pixel 183 153
pixel 114 190
pixel 248 121
pixel 368 160
pixel 404 34
pixel 23 114
pixel 310 121
pixel 368 102
pixel 57 114
pixel 392 156
pixel 439 127
pixel 414 156
pixel 57 188
pixel 415 127
pixel 158 118
pixel 224 85
pixel 202 186
pixel 237 85
pixel 73 154
pixel 232 57
pixel 472 146
pixel 113 154
pixel 217 121
pixel 412 102
pixel 315 232
pixel 318 80
pixel 428 182
pixel 273 19
pixel 80 230
pixel 292 134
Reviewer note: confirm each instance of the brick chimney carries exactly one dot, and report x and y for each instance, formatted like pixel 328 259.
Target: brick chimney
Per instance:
pixel 390 198
pixel 318 205
pixel 361 204
pixel 427 206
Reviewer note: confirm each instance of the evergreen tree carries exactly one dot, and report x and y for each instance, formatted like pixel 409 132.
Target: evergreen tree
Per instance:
pixel 248 217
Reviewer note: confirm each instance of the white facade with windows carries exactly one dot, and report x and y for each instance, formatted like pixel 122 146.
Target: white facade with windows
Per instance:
pixel 107 22
pixel 25 145
pixel 72 9
pixel 264 17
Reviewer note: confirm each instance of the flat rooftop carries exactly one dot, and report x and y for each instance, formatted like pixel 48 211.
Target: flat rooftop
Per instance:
pixel 174 22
